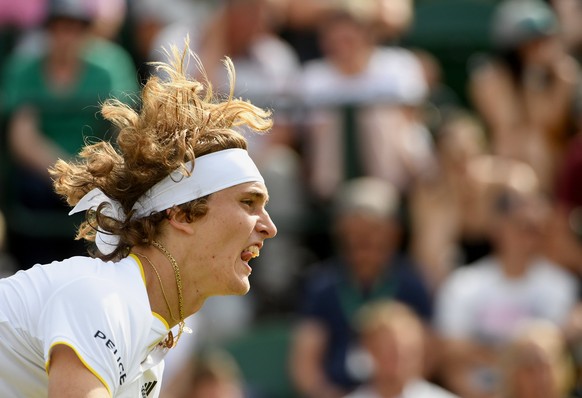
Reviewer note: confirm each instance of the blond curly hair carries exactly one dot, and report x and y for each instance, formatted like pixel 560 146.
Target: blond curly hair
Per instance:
pixel 179 119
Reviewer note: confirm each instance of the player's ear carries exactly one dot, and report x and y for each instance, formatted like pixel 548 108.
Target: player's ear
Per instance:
pixel 178 219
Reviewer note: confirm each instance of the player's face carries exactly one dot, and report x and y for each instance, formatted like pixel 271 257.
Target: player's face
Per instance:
pixel 230 234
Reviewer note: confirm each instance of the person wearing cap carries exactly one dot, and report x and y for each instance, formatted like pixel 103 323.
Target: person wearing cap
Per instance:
pixel 50 104
pixel 525 91
pixel 366 267
pixel 176 210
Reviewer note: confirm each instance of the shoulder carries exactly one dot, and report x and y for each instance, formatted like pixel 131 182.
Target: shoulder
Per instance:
pixel 547 271
pixel 411 287
pixel 96 70
pixel 396 54
pixel 396 60
pixel 323 84
pixel 59 274
pixel 20 73
pixel 316 66
pixel 406 269
pixel 402 69
pixel 103 286
pixel 469 277
pixel 323 276
pixel 94 289
pixel 404 263
pixel 363 392
pixel 99 48
pixel 425 389
pixel 319 75
pixel 100 312
pixel 484 267
pixel 272 48
pixel 18 65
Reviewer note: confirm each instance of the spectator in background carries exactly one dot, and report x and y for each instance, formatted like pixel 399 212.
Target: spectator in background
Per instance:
pixel 267 69
pixel 103 18
pixel 564 243
pixel 108 17
pixel 154 24
pixel 569 13
pixel 481 306
pixel 525 93
pixel 51 101
pixel 394 339
pixel 242 30
pixel 536 364
pixel 388 18
pixel 29 14
pixel 21 15
pixel 440 98
pixel 447 205
pixel 362 104
pixel 214 374
pixel 366 267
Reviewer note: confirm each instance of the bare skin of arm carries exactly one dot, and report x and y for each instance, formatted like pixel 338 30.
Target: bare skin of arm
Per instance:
pixel 306 364
pixel 307 13
pixel 544 107
pixel 28 144
pixel 549 106
pixel 69 378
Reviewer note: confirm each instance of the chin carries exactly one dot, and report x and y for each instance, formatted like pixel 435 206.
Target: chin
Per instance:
pixel 244 288
pixel 244 291
pixel 239 288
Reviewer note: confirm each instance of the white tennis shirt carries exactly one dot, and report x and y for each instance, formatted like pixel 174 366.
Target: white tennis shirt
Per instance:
pixel 100 309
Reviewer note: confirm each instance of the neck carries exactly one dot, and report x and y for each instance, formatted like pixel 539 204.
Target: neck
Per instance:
pixel 62 69
pixel 514 265
pixel 355 63
pixel 157 304
pixel 153 261
pixel 387 388
pixel 192 299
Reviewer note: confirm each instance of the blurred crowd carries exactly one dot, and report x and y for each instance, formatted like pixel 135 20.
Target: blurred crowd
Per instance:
pixel 430 232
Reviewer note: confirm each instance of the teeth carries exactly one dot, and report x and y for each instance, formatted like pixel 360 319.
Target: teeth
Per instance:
pixel 254 250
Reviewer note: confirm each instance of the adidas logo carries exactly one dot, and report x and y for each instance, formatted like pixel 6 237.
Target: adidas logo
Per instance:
pixel 147 388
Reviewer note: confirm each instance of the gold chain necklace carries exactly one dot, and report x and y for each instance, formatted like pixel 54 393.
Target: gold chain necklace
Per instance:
pixel 181 325
pixel 161 286
pixel 170 341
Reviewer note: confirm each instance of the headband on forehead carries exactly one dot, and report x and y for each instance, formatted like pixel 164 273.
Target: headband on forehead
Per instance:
pixel 211 173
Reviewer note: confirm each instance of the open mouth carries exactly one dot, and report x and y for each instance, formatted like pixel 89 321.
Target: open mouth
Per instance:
pixel 250 253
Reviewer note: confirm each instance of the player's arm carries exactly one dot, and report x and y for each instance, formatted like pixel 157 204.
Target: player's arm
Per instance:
pixel 69 378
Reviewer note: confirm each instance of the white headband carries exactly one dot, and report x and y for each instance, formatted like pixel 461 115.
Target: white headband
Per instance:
pixel 211 173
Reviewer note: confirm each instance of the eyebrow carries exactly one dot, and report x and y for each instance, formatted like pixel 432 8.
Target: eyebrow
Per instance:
pixel 258 195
